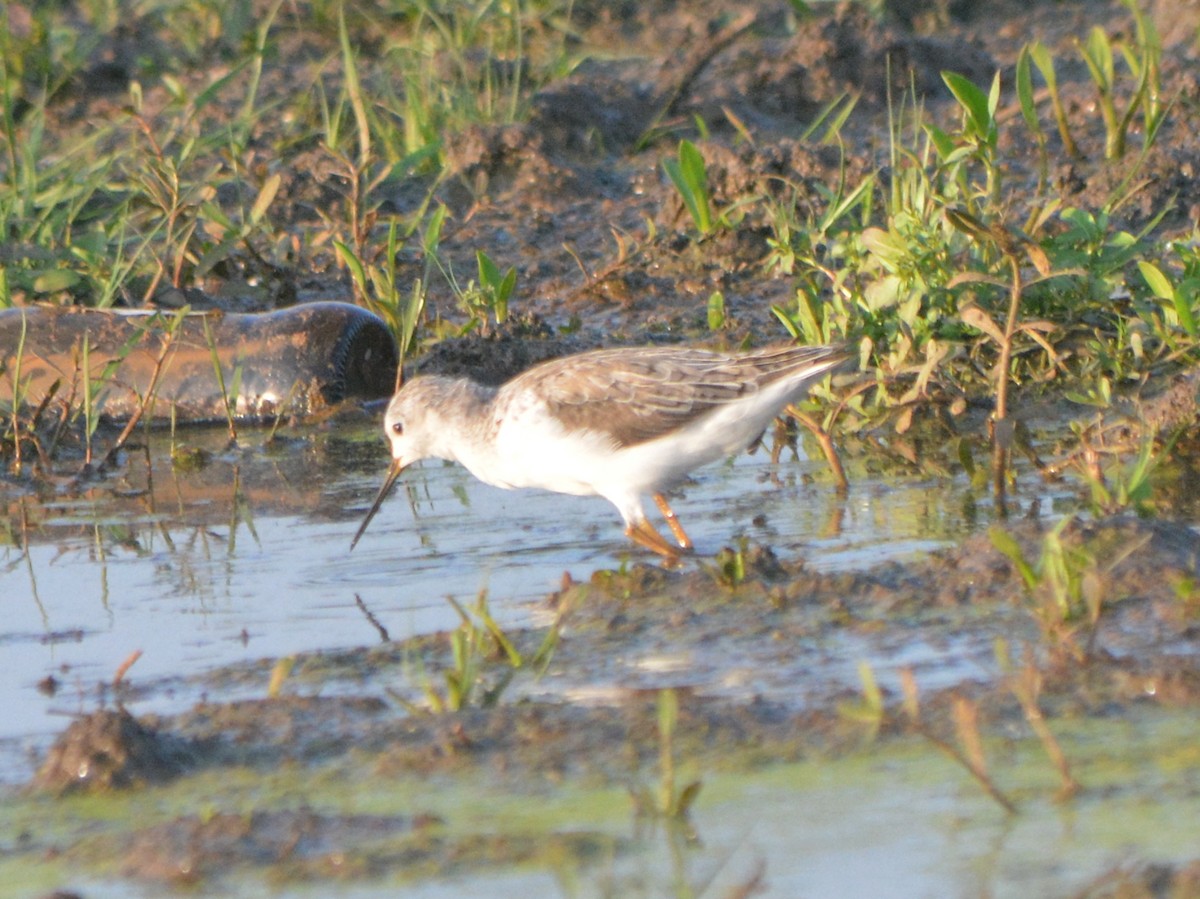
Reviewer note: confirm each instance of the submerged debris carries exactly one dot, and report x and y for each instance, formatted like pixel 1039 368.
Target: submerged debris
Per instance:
pixel 163 366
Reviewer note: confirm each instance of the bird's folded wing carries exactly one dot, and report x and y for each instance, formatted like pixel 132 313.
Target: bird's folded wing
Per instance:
pixel 638 397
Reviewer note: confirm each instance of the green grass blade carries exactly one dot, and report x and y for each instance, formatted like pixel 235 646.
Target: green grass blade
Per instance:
pixel 354 90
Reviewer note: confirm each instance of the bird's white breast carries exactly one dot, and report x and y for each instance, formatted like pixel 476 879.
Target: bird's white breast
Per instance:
pixel 531 448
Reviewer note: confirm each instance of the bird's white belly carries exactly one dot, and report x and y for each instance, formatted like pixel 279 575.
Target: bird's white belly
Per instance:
pixel 539 453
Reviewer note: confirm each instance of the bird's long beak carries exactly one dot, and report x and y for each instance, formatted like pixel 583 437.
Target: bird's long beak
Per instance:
pixel 397 466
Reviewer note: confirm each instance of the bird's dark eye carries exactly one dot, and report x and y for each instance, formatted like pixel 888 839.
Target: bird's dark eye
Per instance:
pixel 398 427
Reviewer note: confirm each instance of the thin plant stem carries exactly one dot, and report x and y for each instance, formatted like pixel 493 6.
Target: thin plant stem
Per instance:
pixel 148 398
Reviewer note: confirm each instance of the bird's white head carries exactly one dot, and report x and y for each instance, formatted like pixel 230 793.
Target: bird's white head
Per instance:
pixel 412 433
pixel 403 425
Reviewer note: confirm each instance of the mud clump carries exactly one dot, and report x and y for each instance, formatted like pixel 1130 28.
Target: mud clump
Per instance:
pixel 774 82
pixel 192 849
pixel 110 749
pixel 502 353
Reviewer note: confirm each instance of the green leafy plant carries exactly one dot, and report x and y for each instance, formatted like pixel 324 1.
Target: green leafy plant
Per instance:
pixel 1099 53
pixel 486 300
pixel 1178 299
pixel 729 567
pixel 1143 60
pixel 901 295
pixel 816 317
pixel 462 64
pixel 478 638
pixel 495 287
pixel 1124 485
pixel 1067 584
pixel 1015 249
pixel 1064 578
pixel 65 226
pixel 378 287
pixel 976 141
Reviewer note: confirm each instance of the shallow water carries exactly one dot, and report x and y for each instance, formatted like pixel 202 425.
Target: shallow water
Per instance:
pixel 898 821
pixel 248 557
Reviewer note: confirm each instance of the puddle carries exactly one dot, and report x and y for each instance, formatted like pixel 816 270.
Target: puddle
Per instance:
pixel 248 557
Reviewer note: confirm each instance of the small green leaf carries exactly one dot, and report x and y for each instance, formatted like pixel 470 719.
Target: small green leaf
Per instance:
pixel 489 273
pixel 357 272
pixel 690 178
pixel 1004 542
pixel 716 311
pixel 90 244
pixel 55 280
pixel 692 163
pixel 887 247
pixel 965 458
pixel 993 102
pixel 942 142
pixel 786 320
pixel 507 284
pixel 1157 280
pixel 973 101
pixel 1045 63
pixel 432 236
pixel 1183 308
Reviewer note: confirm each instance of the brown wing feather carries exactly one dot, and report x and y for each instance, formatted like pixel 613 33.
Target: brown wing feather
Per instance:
pixel 640 394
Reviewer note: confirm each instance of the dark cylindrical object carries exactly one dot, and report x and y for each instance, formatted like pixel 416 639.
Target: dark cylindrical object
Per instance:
pixel 298 360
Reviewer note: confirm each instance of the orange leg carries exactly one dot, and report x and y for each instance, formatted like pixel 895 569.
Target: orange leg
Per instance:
pixel 643 534
pixel 672 520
